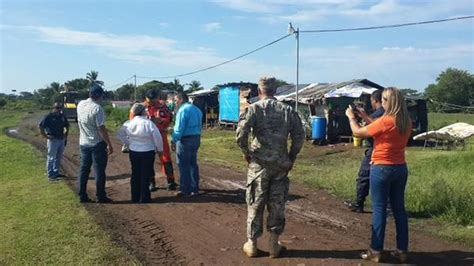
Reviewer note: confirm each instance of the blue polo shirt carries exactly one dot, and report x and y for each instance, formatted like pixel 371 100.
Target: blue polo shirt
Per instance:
pixel 188 122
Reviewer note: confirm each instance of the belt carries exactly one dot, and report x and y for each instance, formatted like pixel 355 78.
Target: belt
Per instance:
pixel 190 136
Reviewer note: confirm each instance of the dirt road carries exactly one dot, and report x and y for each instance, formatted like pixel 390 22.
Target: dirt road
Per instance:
pixel 210 229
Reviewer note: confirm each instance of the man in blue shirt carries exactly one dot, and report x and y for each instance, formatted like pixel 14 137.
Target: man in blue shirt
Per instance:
pixel 186 140
pixel 54 127
pixel 363 181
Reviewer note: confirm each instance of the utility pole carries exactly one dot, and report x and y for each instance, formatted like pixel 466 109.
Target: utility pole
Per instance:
pixel 135 77
pixel 296 32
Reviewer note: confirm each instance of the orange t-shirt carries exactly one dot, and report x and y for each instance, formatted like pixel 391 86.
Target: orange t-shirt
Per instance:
pixel 389 144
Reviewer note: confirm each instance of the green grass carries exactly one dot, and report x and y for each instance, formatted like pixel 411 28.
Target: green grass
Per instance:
pixel 440 186
pixel 439 120
pixel 42 222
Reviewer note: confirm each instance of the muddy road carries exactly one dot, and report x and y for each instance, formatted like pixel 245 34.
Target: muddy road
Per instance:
pixel 210 229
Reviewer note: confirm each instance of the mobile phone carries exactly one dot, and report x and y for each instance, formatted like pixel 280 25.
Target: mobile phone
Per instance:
pixel 354 108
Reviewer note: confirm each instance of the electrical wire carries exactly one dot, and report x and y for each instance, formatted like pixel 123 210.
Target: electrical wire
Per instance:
pixel 220 64
pixel 120 83
pixel 387 26
pixel 306 31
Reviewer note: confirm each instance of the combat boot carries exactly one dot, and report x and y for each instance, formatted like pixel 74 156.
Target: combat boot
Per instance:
pixel 250 248
pixel 275 248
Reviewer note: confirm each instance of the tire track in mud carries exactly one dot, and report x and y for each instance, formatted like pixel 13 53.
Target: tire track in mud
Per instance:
pixel 210 229
pixel 143 239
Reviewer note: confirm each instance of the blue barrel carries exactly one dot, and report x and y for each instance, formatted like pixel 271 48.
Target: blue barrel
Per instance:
pixel 319 128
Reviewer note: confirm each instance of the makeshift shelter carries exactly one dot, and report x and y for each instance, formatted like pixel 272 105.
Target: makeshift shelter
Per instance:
pixel 330 100
pixel 207 101
pixel 233 101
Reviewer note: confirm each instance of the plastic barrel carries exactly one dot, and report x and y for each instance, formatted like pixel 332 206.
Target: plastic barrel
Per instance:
pixel 319 128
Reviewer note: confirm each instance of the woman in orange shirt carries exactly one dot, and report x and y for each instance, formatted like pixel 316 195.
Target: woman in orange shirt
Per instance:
pixel 388 173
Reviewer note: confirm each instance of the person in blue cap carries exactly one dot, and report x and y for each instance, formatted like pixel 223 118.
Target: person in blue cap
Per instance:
pixel 94 143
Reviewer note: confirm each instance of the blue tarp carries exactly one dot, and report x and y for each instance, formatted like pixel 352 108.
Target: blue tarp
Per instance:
pixel 229 104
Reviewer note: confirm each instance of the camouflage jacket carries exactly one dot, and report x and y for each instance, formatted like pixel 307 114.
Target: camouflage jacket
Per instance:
pixel 270 122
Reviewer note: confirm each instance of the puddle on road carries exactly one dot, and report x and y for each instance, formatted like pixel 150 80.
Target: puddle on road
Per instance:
pixel 13 131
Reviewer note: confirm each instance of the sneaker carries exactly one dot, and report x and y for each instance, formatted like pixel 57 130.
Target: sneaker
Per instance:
pixel 105 200
pixel 371 255
pixel 171 186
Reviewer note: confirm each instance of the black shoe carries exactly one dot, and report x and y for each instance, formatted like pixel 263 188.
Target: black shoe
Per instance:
pixel 85 200
pixel 105 200
pixel 153 188
pixel 356 207
pixel 171 186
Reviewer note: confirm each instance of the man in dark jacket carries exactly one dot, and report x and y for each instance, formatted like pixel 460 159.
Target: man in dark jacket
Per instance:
pixel 54 127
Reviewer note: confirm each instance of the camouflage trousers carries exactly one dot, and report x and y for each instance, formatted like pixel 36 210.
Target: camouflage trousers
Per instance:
pixel 266 187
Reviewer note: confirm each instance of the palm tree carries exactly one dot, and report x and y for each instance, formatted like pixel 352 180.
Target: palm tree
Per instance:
pixel 92 77
pixel 194 86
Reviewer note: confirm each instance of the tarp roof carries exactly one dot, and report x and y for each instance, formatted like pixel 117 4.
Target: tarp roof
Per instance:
pixel 284 91
pixel 352 88
pixel 203 92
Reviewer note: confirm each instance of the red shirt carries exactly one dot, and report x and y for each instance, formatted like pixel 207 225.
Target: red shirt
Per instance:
pixel 160 110
pixel 389 147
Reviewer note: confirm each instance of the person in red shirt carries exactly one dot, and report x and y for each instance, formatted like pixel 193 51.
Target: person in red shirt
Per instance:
pixel 159 113
pixel 388 171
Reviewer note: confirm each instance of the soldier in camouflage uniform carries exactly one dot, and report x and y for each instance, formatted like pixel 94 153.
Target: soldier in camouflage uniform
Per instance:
pixel 269 122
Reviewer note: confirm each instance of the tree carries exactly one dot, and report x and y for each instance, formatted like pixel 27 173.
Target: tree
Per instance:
pixel 194 86
pixel 92 78
pixel 280 82
pixel 410 92
pixel 176 85
pixel 125 92
pixel 453 86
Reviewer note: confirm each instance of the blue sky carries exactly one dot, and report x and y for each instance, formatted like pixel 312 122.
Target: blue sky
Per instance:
pixel 45 41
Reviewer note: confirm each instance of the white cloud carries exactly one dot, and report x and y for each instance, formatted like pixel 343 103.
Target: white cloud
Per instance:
pixel 249 5
pixel 387 65
pixel 381 11
pixel 146 50
pixel 212 27
pixel 131 43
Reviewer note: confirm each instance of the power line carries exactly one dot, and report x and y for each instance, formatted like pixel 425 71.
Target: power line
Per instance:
pixel 388 26
pixel 220 64
pixel 120 83
pixel 304 31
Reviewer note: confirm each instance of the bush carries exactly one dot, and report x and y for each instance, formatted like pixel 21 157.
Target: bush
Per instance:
pixel 118 115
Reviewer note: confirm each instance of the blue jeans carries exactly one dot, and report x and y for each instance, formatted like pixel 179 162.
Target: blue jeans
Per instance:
pixel 388 181
pixel 98 155
pixel 186 157
pixel 55 154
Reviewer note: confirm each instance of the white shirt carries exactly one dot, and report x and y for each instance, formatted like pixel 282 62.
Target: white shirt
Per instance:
pixel 90 116
pixel 141 135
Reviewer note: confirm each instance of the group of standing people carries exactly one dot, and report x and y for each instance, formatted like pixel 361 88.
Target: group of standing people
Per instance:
pixel 146 133
pixel 267 125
